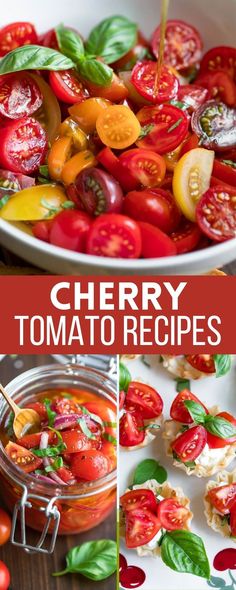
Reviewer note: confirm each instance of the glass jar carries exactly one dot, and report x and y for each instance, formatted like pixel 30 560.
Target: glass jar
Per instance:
pixel 51 508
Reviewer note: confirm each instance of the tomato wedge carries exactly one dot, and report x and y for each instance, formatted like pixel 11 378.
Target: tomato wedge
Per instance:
pixel 156 206
pixel 144 77
pixel 220 86
pixel 141 499
pixel 189 445
pixel 186 237
pixel 114 235
pixel 31 441
pixel 172 515
pixel 191 179
pixel 147 167
pixel 67 86
pixel 15 35
pixel 220 58
pixel 141 526
pixel 216 213
pixel 233 520
pixel 164 128
pixel 23 145
pixel 225 172
pixel 202 362
pixel 22 458
pixel 223 497
pixel 19 95
pixel 147 399
pixel 183 44
pixel 155 243
pixel 215 442
pixel 118 127
pixel 179 412
pixel 132 432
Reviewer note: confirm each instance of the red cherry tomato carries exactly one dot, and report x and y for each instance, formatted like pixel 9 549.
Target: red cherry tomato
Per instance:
pixel 116 236
pixel 147 167
pixel 186 237
pixel 65 474
pixel 166 125
pixel 172 515
pixel 179 412
pixel 66 406
pixel 216 442
pixel 155 243
pixel 191 143
pixel 141 526
pixel 139 500
pixel 97 192
pixel 40 408
pixel 15 35
pixel 156 206
pixel 220 86
pixel 145 398
pixel 19 95
pixel 144 76
pixel 5 527
pixel 70 230
pixel 222 497
pixel 67 86
pixel 113 165
pixel 220 58
pixel 216 213
pixel 132 431
pixel 193 95
pixel 22 458
pixel 41 230
pixel 225 173
pixel 76 441
pixel 23 145
pixel 190 444
pixel 202 362
pixel 31 441
pixel 183 44
pixel 4 576
pixel 90 465
pixel 233 520
pixel 49 39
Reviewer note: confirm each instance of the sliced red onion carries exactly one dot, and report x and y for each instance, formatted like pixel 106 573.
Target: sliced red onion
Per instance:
pixel 44 478
pixel 56 478
pixel 66 421
pixel 43 445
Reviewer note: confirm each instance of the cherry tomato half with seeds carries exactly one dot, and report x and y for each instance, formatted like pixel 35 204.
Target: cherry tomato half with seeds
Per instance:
pixel 144 78
pixel 97 192
pixel 172 515
pixel 220 58
pixel 22 458
pixel 190 444
pixel 183 44
pixel 215 123
pixel 222 497
pixel 31 441
pixel 140 527
pixel 67 86
pixel 186 237
pixel 5 527
pixel 66 406
pixel 193 95
pixel 90 465
pixel 233 520
pixel 132 432
pixel 147 399
pixel 147 167
pixel 15 35
pixel 156 206
pixel 224 172
pixel 216 442
pixel 165 128
pixel 4 576
pixel 23 145
pixel 178 410
pixel 202 362
pixel 19 95
pixel 141 499
pixel 70 230
pixel 76 441
pixel 155 243
pixel 220 86
pixel 113 165
pixel 118 127
pixel 114 235
pixel 216 213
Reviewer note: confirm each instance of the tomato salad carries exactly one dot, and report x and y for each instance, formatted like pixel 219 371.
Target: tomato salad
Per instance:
pixel 96 160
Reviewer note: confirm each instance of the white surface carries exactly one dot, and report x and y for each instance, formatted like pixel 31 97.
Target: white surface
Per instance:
pixel 216 22
pixel 211 391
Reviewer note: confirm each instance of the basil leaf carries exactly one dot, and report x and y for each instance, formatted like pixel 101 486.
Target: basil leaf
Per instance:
pixel 183 551
pixel 112 38
pixel 196 411
pixel 85 429
pixel 110 438
pixel 222 364
pixel 34 57
pixel 50 413
pixel 70 43
pixel 182 384
pixel 96 560
pixel 124 377
pixel 95 71
pixel 219 427
pixel 149 469
pixel 50 451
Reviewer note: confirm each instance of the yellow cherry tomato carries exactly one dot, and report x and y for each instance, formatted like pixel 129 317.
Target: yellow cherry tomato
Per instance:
pixel 118 127
pixel 76 164
pixel 191 179
pixel 70 128
pixel 49 114
pixel 59 153
pixel 87 112
pixel 34 203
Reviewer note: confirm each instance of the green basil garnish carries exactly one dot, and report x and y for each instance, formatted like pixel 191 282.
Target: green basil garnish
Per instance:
pixel 110 438
pixel 94 71
pixel 222 364
pixel 70 43
pixel 220 427
pixel 182 384
pixel 85 429
pixel 50 413
pixel 124 377
pixel 96 560
pixel 196 411
pixel 50 451
pixel 34 57
pixel 112 38
pixel 183 551
pixel 149 469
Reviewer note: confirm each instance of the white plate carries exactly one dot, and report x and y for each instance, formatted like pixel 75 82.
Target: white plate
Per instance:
pixel 211 391
pixel 216 22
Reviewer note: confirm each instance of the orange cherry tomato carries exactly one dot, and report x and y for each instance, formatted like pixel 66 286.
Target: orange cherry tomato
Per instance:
pixel 118 127
pixel 76 164
pixel 87 112
pixel 59 153
pixel 70 128
pixel 116 91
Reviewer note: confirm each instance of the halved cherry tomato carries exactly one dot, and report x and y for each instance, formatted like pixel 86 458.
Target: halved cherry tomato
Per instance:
pixel 118 127
pixel 11 182
pixel 86 113
pixel 190 444
pixel 76 164
pixel 172 515
pixel 233 520
pixel 65 474
pixel 70 230
pixel 166 126
pixel 70 128
pixel 40 408
pixel 90 465
pixel 202 362
pixel 186 237
pixel 147 167
pixel 155 243
pixel 22 458
pixel 216 213
pixel 156 206
pixel 171 158
pixel 15 35
pixel 116 91
pixel 144 78
pixel 216 442
pixel 223 497
pixel 132 432
pixel 19 95
pixel 137 53
pixel 106 413
pixel 31 441
pixel 109 450
pixel 114 235
pixel 179 412
pixel 49 114
pixel 224 173
pixel 191 179
pixel 134 96
pixel 220 58
pixel 191 143
pixel 76 441
pixel 49 39
pixel 141 499
pixel 97 192
pixel 23 145
pixel 220 86
pixel 67 86
pixel 193 95
pixel 183 44
pixel 66 406
pixel 146 398
pixel 113 165
pixel 215 123
pixel 34 203
pixel 140 527
pixel 59 153
pixel 5 528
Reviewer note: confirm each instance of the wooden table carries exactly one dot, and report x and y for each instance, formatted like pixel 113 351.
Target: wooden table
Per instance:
pixel 33 572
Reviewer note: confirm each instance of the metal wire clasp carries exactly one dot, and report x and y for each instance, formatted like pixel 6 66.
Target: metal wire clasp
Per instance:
pixel 51 514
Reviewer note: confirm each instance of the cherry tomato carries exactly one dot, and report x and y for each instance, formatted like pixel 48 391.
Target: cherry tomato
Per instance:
pixel 140 527
pixel 118 127
pixel 183 44
pixel 224 173
pixel 186 237
pixel 144 77
pixel 67 86
pixel 109 449
pixel 5 527
pixel 148 400
pixel 19 95
pixel 76 164
pixel 222 497
pixel 172 515
pixel 15 35
pixel 156 206
pixel 65 474
pixel 216 213
pixel 116 236
pixel 132 431
pixel 141 499
pixel 22 458
pixel 147 167
pixel 190 444
pixel 216 442
pixel 190 143
pixel 70 230
pixel 23 145
pixel 70 128
pixel 113 165
pixel 191 179
pixel 11 182
pixel 193 95
pixel 31 441
pixel 4 576
pixel 90 465
pixel 233 520
pixel 76 441
pixel 58 155
pixel 135 98
pixel 96 192
pixel 106 413
pixel 86 113
pixel 155 243
pixel 49 115
pixel 220 58
pixel 220 86
pixel 116 91
pixel 137 53
pixel 179 412
pixel 202 362
pixel 49 39
pixel 35 203
pixel 66 406
pixel 215 124
pixel 41 230
pixel 166 126
pixel 40 408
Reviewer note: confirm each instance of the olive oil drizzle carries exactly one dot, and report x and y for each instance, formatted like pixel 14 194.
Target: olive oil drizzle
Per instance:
pixel 164 14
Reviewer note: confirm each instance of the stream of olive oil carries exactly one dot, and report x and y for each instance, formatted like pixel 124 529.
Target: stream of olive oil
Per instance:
pixel 164 14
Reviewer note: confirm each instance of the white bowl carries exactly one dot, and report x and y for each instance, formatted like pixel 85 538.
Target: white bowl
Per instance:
pixel 216 22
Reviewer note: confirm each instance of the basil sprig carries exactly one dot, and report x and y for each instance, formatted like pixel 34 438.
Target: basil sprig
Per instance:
pixel 222 364
pixel 50 451
pixel 124 377
pixel 34 57
pixel 149 469
pixel 216 425
pixel 112 38
pixel 183 551
pixel 69 42
pixel 96 560
pixel 94 71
